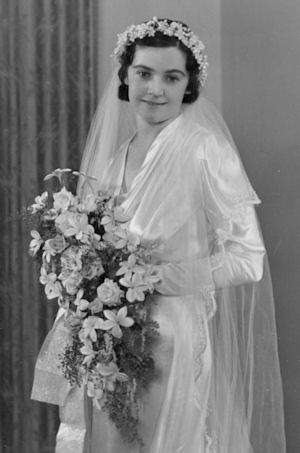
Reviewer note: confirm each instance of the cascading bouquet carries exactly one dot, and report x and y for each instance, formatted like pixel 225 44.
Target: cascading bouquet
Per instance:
pixel 101 273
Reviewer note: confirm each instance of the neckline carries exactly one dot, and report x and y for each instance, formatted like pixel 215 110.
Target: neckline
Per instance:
pixel 124 190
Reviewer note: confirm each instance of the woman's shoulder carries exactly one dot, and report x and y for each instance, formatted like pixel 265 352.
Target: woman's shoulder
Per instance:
pixel 203 140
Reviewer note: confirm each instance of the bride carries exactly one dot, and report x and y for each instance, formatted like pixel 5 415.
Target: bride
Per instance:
pixel 172 166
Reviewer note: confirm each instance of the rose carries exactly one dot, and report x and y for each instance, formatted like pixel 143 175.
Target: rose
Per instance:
pixel 57 244
pixel 71 259
pixel 63 199
pixel 109 292
pixel 73 322
pixel 89 271
pixel 72 282
pixel 96 306
pixel 92 269
pixel 90 203
pixel 64 221
pixel 75 224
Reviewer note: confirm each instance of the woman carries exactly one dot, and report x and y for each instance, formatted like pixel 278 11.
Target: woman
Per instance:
pixel 179 179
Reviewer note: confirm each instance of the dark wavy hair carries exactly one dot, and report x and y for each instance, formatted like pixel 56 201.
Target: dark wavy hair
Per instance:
pixel 160 40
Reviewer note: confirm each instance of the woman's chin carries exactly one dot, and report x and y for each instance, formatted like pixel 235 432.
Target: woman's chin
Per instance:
pixel 155 118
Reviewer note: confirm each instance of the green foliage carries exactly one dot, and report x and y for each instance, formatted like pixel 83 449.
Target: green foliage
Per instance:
pixel 124 414
pixel 71 362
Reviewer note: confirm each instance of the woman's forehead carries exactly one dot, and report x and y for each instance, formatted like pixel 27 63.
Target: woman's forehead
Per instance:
pixel 160 58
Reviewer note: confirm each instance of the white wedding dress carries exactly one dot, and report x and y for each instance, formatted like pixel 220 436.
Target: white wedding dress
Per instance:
pixel 175 412
pixel 193 194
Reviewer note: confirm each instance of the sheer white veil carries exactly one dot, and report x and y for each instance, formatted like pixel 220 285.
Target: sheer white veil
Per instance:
pixel 113 123
pixel 242 330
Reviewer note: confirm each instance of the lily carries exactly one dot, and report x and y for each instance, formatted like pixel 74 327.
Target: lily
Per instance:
pixel 116 320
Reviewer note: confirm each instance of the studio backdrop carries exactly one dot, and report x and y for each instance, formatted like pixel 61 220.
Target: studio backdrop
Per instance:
pixel 48 94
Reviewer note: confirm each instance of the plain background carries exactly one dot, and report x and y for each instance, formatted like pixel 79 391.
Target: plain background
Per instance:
pixel 254 77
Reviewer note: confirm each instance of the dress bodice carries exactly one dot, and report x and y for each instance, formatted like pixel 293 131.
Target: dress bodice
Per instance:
pixel 202 216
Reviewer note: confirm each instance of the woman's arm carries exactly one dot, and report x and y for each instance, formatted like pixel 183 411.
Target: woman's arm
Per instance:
pixel 241 252
pixel 239 259
pixel 228 202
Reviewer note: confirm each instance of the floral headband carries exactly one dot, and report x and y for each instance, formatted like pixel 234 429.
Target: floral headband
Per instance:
pixel 176 29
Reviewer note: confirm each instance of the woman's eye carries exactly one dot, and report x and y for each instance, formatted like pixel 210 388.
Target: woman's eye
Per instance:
pixel 172 79
pixel 144 74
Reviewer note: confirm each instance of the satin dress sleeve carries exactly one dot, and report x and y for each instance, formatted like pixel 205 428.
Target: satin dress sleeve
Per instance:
pixel 236 246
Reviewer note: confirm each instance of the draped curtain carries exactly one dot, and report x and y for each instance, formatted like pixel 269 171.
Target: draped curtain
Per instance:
pixel 48 93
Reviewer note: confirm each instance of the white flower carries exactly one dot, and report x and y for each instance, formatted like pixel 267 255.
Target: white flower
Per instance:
pixel 109 292
pixel 129 267
pixel 74 321
pixel 71 282
pixel 151 277
pixel 110 237
pixel 116 321
pixel 82 304
pixel 88 351
pixel 35 243
pixel 111 374
pixel 124 238
pixel 63 220
pixel 176 29
pixel 133 240
pixel 58 173
pixel 96 306
pixel 48 251
pixel 62 200
pixel 89 204
pixel 40 202
pixel 89 327
pixel 96 392
pixel 75 224
pixel 52 286
pixel 137 287
pixel 56 244
pixel 92 268
pixel 53 290
pixel 112 215
pixel 107 220
pixel 46 278
pixel 71 260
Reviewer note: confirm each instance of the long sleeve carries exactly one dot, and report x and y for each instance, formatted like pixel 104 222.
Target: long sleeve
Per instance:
pixel 238 261
pixel 241 252
pixel 229 200
pixel 236 250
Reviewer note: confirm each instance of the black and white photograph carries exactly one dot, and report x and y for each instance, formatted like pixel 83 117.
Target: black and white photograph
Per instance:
pixel 150 226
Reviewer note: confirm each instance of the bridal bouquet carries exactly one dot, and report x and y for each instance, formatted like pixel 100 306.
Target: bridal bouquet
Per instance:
pixel 100 272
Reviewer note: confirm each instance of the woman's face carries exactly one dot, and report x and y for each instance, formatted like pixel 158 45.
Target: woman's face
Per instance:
pixel 157 80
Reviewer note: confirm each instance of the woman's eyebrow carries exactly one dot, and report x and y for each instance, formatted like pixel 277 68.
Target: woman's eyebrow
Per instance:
pixel 178 71
pixel 169 71
pixel 141 66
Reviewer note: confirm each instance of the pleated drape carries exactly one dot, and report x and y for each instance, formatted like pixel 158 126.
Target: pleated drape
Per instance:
pixel 48 94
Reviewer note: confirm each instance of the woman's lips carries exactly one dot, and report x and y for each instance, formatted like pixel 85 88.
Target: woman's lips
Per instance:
pixel 153 102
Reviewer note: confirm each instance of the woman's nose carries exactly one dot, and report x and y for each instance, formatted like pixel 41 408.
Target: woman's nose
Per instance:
pixel 155 87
